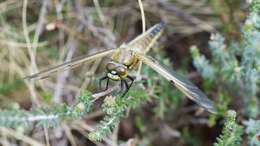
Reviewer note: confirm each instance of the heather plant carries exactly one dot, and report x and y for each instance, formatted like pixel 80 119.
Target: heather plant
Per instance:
pixel 253 131
pixel 232 132
pixel 235 65
pixel 234 68
pixel 46 116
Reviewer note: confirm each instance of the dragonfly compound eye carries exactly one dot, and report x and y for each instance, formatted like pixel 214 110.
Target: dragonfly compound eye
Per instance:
pixel 111 66
pixel 121 71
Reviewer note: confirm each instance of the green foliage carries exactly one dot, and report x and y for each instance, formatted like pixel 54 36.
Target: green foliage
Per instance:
pixel 222 106
pixel 49 117
pixel 202 64
pixel 253 132
pixel 115 108
pixel 255 6
pixel 235 66
pixel 140 124
pixel 6 88
pixel 190 138
pixel 167 97
pixel 231 133
pixel 234 69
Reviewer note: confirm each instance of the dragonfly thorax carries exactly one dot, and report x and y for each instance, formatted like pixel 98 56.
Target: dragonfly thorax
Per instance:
pixel 116 71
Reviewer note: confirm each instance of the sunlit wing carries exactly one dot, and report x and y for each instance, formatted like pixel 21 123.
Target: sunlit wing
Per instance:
pixel 184 85
pixel 146 40
pixel 69 64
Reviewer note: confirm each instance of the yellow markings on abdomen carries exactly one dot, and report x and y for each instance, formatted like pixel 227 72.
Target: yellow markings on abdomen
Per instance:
pixel 145 41
pixel 127 54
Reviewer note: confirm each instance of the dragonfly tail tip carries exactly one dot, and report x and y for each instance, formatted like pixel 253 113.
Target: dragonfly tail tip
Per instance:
pixel 162 23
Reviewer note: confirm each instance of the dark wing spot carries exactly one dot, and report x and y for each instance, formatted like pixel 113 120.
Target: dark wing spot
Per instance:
pixel 172 82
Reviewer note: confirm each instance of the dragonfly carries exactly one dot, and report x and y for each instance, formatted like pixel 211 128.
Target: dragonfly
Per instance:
pixel 126 57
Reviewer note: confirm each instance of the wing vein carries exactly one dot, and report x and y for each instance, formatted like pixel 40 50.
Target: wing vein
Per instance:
pixel 70 64
pixel 184 85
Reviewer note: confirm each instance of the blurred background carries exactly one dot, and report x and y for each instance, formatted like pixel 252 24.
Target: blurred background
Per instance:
pixel 214 43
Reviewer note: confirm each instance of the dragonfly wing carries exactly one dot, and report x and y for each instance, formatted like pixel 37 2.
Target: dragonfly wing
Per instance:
pixel 69 64
pixel 146 40
pixel 184 85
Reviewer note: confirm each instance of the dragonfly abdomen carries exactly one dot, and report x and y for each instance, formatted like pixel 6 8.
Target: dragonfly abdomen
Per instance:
pixel 157 29
pixel 127 54
pixel 145 41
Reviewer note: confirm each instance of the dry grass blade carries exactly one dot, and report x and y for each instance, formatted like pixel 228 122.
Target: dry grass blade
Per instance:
pixel 20 136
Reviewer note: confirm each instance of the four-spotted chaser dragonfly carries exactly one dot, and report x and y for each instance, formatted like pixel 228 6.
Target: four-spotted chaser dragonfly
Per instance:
pixel 126 57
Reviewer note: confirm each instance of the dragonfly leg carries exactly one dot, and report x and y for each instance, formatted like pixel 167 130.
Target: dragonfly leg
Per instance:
pixel 107 84
pixel 100 82
pixel 128 86
pixel 122 84
pixel 132 80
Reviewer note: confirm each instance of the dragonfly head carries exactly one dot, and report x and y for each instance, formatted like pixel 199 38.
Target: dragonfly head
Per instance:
pixel 116 71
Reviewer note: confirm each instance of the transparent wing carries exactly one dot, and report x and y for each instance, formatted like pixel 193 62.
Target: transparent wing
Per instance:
pixel 146 40
pixel 69 64
pixel 184 85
